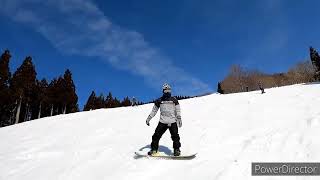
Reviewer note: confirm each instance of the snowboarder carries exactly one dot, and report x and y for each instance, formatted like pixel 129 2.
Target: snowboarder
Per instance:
pixel 170 118
pixel 261 87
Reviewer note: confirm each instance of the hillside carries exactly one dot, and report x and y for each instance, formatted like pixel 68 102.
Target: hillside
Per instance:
pixel 228 132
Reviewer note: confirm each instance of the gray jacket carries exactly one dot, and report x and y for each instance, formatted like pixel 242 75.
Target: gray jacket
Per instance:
pixel 169 110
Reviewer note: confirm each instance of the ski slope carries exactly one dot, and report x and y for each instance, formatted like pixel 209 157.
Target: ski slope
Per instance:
pixel 228 132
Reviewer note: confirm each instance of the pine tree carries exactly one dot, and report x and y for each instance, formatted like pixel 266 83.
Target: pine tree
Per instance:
pixel 126 102
pixel 64 93
pixel 61 96
pixel 116 103
pixel 40 104
pixel 315 59
pixel 70 96
pixel 90 102
pixel 5 100
pixel 22 84
pixel 5 74
pixel 109 102
pixel 52 96
pixel 99 102
pixel 220 89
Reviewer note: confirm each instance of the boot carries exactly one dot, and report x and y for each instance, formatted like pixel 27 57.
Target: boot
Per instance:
pixel 152 152
pixel 176 152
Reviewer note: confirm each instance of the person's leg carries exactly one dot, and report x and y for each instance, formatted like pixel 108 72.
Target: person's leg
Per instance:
pixel 160 130
pixel 175 136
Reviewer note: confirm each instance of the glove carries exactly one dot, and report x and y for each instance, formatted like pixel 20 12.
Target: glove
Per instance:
pixel 148 120
pixel 179 122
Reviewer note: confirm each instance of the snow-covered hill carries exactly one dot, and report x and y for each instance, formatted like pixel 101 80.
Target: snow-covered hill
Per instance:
pixel 228 131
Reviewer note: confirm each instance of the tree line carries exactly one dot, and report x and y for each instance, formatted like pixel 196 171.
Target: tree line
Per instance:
pixel 240 79
pixel 102 101
pixel 23 97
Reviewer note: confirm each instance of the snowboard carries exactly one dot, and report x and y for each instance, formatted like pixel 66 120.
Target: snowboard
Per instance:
pixel 162 155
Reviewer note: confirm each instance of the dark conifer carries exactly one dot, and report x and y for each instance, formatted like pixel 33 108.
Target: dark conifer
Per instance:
pixel 109 102
pixel 219 90
pixel 90 102
pixel 99 102
pixel 52 95
pixel 71 98
pixel 315 59
pixel 5 97
pixel 23 82
pixel 126 102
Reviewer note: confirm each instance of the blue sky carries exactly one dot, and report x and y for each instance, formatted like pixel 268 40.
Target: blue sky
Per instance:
pixel 132 47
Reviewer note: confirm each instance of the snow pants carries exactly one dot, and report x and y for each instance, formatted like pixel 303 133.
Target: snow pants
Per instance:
pixel 160 130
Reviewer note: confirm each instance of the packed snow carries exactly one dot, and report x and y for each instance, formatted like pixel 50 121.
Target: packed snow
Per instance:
pixel 229 132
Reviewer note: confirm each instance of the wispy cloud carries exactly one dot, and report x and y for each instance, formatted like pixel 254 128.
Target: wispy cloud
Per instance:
pixel 79 27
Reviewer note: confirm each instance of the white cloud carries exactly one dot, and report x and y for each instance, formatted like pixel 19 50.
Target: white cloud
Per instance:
pixel 79 27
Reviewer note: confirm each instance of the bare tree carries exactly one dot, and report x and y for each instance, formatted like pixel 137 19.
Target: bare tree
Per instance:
pixel 301 72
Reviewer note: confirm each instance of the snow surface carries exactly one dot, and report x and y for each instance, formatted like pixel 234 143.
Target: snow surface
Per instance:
pixel 228 132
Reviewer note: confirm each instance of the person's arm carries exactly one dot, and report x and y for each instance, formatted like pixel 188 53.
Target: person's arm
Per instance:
pixel 153 112
pixel 178 112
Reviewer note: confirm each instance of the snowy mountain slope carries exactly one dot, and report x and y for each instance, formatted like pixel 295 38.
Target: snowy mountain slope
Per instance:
pixel 228 131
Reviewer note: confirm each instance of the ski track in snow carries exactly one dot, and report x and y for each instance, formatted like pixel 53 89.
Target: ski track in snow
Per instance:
pixel 229 132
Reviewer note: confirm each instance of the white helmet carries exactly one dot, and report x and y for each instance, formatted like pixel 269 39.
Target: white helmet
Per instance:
pixel 166 88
